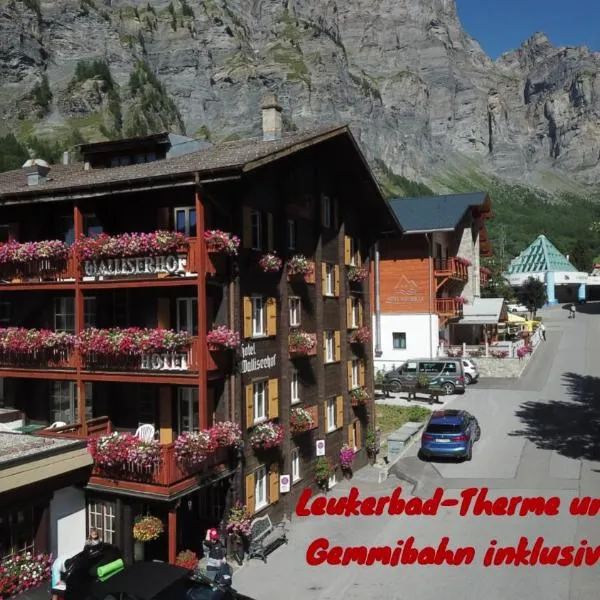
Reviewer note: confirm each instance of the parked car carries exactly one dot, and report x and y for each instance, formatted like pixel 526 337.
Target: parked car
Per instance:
pixel 446 373
pixel 450 433
pixel 517 308
pixel 471 370
pixel 160 581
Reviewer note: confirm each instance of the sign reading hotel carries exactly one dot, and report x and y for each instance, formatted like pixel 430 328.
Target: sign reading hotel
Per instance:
pixel 252 363
pixel 405 291
pixel 167 361
pixel 171 264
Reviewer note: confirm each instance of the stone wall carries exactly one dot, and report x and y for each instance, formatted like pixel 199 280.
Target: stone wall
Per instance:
pixel 502 367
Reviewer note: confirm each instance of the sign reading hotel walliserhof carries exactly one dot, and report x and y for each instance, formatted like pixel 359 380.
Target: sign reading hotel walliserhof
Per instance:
pixel 172 264
pixel 252 363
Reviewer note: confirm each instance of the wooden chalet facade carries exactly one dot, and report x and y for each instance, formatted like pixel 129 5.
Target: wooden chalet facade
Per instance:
pixel 294 196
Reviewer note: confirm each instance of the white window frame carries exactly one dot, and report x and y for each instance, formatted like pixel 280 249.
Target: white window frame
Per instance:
pixel 66 392
pixel 355 312
pixel 259 328
pixel 256 227
pixel 187 212
pixel 64 308
pixel 295 462
pixel 259 400
pixel 355 374
pixel 399 334
pixel 187 409
pixel 295 386
pixel 260 488
pixel 291 234
pixel 90 311
pixel 187 311
pixel 329 346
pixel 353 261
pixel 327 208
pixel 329 279
pixel 102 516
pixel 331 414
pixel 295 311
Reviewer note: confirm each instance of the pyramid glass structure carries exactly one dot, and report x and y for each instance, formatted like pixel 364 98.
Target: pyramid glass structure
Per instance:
pixel 540 256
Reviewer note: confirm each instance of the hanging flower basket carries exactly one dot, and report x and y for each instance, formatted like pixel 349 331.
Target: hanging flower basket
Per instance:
pixel 266 435
pixel 359 396
pixel 221 241
pixel 361 336
pixel 461 300
pixel 187 559
pixel 147 529
pixel 226 434
pixel 324 470
pixel 270 263
pixel 357 274
pixel 301 343
pixel 120 451
pixel 346 457
pixel 299 265
pixel 22 572
pixel 222 338
pixel 300 420
pixel 129 245
pixel 239 520
pixel 193 448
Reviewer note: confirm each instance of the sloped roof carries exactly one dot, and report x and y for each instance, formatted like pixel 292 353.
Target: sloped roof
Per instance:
pixel 435 213
pixel 482 311
pixel 540 256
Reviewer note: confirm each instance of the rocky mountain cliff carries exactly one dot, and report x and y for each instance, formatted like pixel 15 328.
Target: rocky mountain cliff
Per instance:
pixel 422 97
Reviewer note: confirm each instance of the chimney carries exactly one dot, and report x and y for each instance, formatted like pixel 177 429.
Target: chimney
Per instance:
pixel 271 118
pixel 36 170
pixel 66 158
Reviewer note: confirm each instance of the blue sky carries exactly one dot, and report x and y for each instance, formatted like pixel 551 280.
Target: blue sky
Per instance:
pixel 501 25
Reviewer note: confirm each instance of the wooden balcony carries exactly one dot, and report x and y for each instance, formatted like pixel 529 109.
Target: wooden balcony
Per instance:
pixel 450 268
pixel 447 307
pixel 47 271
pixel 95 428
pixel 484 275
pixel 38 365
pixel 167 478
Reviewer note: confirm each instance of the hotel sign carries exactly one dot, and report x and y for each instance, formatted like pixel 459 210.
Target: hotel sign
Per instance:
pixel 171 264
pixel 167 361
pixel 252 363
pixel 405 291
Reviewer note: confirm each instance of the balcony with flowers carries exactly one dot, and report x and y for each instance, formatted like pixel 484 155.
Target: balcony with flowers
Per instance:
pixel 300 268
pixel 270 263
pixel 454 267
pixel 47 261
pixel 302 344
pixel 153 255
pixel 22 348
pixel 303 419
pixel 219 246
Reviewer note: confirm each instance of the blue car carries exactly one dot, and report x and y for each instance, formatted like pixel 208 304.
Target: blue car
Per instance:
pixel 450 433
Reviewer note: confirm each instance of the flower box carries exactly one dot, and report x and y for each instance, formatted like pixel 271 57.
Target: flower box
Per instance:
pixel 226 434
pixel 301 343
pixel 324 470
pixel 35 346
pixel 41 260
pixel 357 274
pixel 130 245
pixel 193 448
pixel 222 338
pixel 239 520
pixel 270 263
pixel 361 336
pixel 187 559
pixel 220 241
pixel 300 265
pixel 524 351
pixel 346 456
pixel 300 420
pixel 500 353
pixel 359 396
pixel 23 572
pixel 461 300
pixel 147 529
pixel 266 435
pixel 124 451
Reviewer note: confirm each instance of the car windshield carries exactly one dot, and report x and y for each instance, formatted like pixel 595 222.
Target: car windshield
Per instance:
pixel 442 428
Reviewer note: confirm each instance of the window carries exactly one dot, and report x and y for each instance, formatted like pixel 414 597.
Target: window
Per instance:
pixel 431 367
pixel 295 464
pixel 329 280
pixel 399 340
pixel 259 393
pixel 91 226
pixel 327 206
pixel 187 409
pixel 291 234
pixel 331 412
pixel 4 233
pixel 187 315
pixel 101 515
pixel 17 531
pixel 258 316
pixel 185 220
pixel 329 347
pixel 260 488
pixel 295 311
pixel 64 314
pixel 64 402
pixel 5 312
pixel 89 312
pixel 355 321
pixel 355 374
pixel 295 387
pixel 257 230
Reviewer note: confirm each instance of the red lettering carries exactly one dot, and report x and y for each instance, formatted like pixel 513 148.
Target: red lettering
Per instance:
pixel 467 496
pixel 586 506
pixel 396 503
pixel 334 557
pixel 409 553
pixel 431 506
pixel 318 506
pixel 316 553
pixel 301 509
pixel 368 506
pixel 499 507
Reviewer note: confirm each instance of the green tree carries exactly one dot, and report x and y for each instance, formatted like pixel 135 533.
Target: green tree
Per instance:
pixel 533 294
pixel 582 255
pixel 12 153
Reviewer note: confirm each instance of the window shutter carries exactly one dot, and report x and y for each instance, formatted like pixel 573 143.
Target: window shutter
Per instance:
pixel 246 227
pixel 361 373
pixel 249 405
pixel 360 313
pixel 247 317
pixel 250 483
pixel 351 440
pixel 163 313
pixel 326 416
pixel 270 231
pixel 358 434
pixel 274 483
pixel 349 375
pixel 338 346
pixel 323 278
pixel 347 250
pixel 273 398
pixel 336 280
pixel 163 218
pixel 349 312
pixel 271 316
pixel 324 346
pixel 357 256
pixel 339 412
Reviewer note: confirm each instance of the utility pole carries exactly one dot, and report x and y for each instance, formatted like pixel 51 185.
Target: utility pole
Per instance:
pixel 502 246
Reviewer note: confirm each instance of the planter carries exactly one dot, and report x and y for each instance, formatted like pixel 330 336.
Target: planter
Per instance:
pixel 221 242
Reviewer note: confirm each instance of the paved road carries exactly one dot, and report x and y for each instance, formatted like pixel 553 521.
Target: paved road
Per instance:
pixel 540 438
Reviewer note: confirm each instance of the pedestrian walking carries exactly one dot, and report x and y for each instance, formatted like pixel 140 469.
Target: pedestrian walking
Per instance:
pixel 543 331
pixel 572 311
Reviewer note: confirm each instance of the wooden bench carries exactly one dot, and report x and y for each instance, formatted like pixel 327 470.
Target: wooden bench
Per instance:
pixel 433 393
pixel 265 537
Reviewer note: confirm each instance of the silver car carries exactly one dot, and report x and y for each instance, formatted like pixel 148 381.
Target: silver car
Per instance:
pixel 471 370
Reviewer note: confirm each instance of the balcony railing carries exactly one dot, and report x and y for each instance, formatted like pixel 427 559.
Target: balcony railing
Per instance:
pixel 451 267
pixel 41 359
pixel 447 306
pixel 95 427
pixel 484 275
pixel 40 270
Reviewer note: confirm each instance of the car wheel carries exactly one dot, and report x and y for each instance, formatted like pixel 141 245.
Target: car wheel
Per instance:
pixel 469 454
pixel 448 388
pixel 394 387
pixel 477 433
pixel 468 379
pixel 422 456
